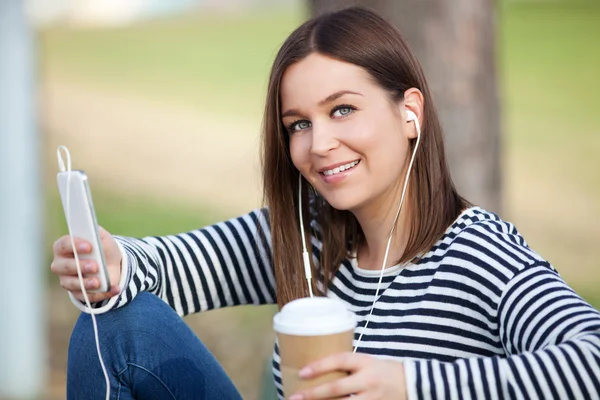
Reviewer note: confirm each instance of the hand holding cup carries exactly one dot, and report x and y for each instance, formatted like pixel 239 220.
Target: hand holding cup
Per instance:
pixel 308 330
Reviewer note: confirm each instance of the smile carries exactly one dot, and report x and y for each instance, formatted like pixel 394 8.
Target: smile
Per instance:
pixel 341 168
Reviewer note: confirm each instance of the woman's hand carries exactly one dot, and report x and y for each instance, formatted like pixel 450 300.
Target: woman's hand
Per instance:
pixel 65 267
pixel 369 379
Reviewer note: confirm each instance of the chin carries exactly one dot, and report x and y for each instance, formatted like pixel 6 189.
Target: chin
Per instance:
pixel 340 202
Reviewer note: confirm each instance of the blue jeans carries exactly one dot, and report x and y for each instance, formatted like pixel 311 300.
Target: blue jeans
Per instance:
pixel 149 353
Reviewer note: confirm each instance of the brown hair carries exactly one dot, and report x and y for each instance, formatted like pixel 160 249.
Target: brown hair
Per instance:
pixel 362 38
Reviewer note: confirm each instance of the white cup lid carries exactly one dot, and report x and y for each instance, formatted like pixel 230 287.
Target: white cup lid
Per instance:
pixel 314 317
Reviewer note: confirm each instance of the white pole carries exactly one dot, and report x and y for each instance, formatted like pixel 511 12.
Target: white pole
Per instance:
pixel 22 305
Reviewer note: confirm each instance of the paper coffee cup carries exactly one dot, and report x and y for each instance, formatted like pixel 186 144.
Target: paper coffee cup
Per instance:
pixel 308 330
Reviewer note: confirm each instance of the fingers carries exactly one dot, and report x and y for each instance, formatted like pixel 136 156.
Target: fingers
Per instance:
pixel 63 246
pixel 68 266
pixel 65 266
pixel 348 362
pixel 345 362
pixel 332 390
pixel 96 297
pixel 71 283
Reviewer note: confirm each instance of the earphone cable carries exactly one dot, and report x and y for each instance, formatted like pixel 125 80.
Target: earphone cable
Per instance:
pixel 305 256
pixel 389 242
pixel 67 169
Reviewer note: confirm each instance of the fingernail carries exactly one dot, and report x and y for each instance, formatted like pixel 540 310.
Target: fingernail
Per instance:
pixel 305 373
pixel 83 247
pixel 296 397
pixel 88 267
pixel 91 284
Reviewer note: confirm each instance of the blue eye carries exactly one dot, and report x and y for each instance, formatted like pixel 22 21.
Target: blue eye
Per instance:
pixel 343 111
pixel 299 125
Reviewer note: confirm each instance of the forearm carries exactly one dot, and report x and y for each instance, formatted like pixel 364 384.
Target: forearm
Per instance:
pixel 225 264
pixel 570 370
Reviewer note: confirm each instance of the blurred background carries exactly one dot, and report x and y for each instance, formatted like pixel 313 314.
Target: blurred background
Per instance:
pixel 161 103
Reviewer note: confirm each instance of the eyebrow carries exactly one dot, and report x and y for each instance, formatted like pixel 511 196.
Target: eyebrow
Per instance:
pixel 328 99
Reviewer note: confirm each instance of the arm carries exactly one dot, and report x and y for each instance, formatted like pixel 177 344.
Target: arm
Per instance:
pixel 551 336
pixel 225 264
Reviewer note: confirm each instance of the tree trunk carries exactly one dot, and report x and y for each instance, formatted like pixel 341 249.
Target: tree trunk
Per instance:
pixel 455 43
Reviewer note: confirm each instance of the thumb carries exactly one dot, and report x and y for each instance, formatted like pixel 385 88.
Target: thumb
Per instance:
pixel 111 249
pixel 103 233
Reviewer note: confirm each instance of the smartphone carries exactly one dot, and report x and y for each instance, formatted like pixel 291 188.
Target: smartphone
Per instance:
pixel 82 220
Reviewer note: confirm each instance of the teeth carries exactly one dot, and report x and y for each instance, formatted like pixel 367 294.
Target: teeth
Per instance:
pixel 339 169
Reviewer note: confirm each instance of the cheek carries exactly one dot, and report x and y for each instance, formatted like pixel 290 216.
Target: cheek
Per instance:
pixel 385 147
pixel 373 140
pixel 298 152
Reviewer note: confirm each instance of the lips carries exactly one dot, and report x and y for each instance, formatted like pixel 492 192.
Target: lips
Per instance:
pixel 338 168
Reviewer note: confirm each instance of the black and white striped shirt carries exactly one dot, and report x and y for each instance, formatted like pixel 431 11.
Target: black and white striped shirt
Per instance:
pixel 480 316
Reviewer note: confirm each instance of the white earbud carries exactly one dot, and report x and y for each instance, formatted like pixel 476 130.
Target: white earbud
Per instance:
pixel 411 116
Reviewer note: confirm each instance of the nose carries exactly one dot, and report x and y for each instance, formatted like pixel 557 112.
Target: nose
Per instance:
pixel 323 139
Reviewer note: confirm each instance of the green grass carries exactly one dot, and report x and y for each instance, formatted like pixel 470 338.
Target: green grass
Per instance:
pixel 214 62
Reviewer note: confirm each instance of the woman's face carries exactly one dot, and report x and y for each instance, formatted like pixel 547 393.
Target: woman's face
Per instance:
pixel 348 138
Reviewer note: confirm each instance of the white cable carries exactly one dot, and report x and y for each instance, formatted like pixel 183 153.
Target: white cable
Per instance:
pixel 61 166
pixel 389 242
pixel 305 257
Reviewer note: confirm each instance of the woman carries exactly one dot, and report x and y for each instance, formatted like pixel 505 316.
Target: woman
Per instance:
pixel 464 308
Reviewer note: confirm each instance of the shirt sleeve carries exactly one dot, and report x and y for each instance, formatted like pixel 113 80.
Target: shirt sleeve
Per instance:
pixel 552 340
pixel 226 264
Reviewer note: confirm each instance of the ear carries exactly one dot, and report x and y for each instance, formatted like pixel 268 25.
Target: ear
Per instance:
pixel 413 101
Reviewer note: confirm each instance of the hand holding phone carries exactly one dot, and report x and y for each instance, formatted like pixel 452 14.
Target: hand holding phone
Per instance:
pixel 86 249
pixel 97 250
pixel 64 266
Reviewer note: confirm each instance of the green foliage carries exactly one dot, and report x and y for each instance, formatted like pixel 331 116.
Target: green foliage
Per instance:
pixel 591 296
pixel 550 64
pixel 551 93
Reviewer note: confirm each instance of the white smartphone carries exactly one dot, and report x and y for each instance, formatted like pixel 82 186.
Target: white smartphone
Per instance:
pixel 82 220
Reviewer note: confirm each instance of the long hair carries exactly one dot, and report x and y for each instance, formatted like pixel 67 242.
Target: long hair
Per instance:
pixel 360 37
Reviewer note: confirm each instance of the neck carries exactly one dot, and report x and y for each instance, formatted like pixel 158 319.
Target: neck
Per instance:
pixel 376 223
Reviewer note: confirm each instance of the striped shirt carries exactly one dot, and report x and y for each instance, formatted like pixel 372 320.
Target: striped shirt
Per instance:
pixel 480 316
